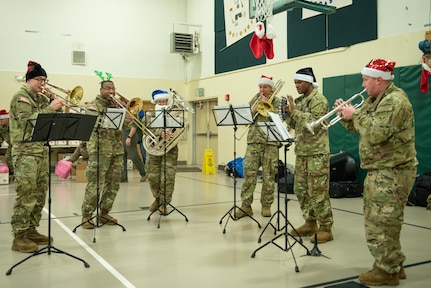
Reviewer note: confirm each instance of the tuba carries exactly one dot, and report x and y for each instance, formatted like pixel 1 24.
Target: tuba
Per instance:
pixel 176 107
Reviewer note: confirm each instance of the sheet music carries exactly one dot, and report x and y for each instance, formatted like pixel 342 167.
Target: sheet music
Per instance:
pixel 114 118
pixel 281 134
pixel 171 122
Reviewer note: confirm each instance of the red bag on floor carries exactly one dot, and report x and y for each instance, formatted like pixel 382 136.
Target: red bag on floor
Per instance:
pixel 3 168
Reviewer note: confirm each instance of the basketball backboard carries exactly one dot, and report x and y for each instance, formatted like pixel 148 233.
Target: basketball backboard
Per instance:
pixel 283 5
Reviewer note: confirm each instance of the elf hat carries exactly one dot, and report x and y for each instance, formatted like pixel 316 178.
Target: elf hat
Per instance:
pixel 380 68
pixel 33 70
pixel 4 114
pixel 307 75
pixel 159 94
pixel 265 80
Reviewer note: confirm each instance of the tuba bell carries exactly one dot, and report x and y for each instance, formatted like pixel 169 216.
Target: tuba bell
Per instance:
pixel 177 105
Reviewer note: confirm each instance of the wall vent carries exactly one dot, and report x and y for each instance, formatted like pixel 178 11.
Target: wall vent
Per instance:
pixel 200 92
pixel 181 43
pixel 78 57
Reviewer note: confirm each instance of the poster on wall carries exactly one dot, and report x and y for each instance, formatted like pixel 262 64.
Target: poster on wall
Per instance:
pixel 237 21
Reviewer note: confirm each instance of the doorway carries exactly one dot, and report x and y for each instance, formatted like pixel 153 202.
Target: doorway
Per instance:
pixel 205 132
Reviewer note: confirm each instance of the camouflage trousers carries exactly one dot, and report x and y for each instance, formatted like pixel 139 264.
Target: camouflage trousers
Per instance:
pixel 109 168
pixel 9 161
pixel 311 187
pixel 31 186
pixel 265 156
pixel 156 174
pixel 385 196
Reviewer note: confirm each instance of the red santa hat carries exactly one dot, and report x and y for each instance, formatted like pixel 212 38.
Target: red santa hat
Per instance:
pixel 380 68
pixel 4 114
pixel 266 80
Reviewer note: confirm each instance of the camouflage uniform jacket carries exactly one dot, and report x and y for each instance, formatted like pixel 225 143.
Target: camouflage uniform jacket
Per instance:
pixel 387 131
pixel 4 134
pixel 26 105
pixel 111 141
pixel 308 109
pixel 255 133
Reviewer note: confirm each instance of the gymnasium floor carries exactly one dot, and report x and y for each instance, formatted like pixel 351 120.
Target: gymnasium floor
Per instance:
pixel 188 248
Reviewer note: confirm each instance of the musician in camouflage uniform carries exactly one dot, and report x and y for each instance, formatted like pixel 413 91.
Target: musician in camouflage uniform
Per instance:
pixel 30 160
pixel 385 123
pixel 5 136
pixel 260 153
pixel 311 184
pixel 156 164
pixel 105 149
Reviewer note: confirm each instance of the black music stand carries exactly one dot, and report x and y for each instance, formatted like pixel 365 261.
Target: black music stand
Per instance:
pixel 164 119
pixel 233 116
pixel 277 133
pixel 113 118
pixel 52 127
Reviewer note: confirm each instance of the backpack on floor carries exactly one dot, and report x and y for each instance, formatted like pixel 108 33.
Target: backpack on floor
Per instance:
pixel 421 190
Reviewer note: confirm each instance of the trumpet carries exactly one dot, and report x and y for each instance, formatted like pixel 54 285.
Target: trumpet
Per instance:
pixel 323 120
pixel 262 107
pixel 137 106
pixel 74 96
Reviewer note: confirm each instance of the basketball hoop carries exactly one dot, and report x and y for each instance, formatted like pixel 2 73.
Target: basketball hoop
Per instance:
pixel 261 41
pixel 263 10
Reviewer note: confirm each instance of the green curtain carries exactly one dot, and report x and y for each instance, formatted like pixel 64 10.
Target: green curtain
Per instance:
pixel 407 78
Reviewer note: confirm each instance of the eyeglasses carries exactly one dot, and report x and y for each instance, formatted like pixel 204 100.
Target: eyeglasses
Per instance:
pixel 40 80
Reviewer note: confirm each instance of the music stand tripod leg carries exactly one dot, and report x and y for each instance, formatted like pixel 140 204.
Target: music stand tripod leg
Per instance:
pixel 164 204
pixel 49 248
pixel 97 216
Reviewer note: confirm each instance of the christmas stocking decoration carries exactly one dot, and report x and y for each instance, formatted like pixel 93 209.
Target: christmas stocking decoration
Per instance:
pixel 270 31
pixel 256 46
pixel 426 71
pixel 268 47
pixel 259 30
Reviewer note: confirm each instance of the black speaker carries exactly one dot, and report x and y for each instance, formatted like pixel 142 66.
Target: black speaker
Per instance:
pixel 343 167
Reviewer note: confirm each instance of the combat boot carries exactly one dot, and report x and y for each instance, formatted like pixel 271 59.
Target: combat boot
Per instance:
pixel 244 209
pixel 107 219
pixel 155 205
pixel 163 209
pixel 87 223
pixel 22 244
pixel 322 236
pixel 401 274
pixel 38 238
pixel 266 211
pixel 377 277
pixel 307 229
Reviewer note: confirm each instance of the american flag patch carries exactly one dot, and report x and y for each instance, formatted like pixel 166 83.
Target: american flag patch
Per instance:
pixel 23 99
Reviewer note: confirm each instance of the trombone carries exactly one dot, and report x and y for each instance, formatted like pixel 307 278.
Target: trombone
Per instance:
pixel 322 121
pixel 134 106
pixel 263 108
pixel 74 96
